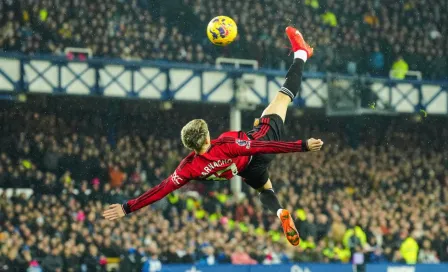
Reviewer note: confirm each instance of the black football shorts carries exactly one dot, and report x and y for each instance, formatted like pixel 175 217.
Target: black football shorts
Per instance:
pixel 267 128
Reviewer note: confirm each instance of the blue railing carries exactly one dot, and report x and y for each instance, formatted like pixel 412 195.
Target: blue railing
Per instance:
pixel 308 268
pixel 179 81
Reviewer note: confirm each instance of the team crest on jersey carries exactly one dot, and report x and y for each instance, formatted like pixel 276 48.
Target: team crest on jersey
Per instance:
pixel 243 143
pixel 176 179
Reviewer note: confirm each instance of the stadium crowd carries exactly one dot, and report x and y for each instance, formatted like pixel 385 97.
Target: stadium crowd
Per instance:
pixel 386 198
pixel 350 36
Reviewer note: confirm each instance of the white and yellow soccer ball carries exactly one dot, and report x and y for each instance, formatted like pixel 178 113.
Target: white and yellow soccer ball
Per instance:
pixel 222 30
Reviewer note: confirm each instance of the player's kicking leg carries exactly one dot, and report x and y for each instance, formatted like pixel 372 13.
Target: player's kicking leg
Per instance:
pixel 279 106
pixel 302 51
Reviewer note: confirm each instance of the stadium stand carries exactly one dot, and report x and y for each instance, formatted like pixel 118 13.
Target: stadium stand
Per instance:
pixel 381 192
pixel 379 189
pixel 352 37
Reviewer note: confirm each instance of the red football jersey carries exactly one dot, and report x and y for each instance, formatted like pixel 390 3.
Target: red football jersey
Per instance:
pixel 227 156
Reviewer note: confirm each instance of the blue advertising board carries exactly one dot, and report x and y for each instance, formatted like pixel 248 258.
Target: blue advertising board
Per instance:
pixel 404 268
pixel 307 268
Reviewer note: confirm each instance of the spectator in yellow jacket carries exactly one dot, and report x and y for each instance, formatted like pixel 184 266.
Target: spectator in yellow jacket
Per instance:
pixel 409 250
pixel 399 68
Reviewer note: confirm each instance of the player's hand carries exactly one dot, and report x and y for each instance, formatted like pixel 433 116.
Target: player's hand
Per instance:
pixel 314 144
pixel 114 212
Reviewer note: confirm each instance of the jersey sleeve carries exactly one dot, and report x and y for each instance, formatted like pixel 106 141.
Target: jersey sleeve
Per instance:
pixel 172 183
pixel 239 147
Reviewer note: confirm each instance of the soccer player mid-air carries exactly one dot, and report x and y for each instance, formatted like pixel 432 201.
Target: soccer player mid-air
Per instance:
pixel 247 154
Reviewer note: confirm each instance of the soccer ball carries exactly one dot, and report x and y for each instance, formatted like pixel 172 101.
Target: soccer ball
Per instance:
pixel 222 30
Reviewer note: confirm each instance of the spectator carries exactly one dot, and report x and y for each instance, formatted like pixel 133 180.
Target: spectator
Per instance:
pixel 329 18
pixel 398 258
pixel 426 254
pixel 377 61
pixel 409 250
pixel 241 257
pixel 308 228
pixel 171 256
pixel 109 249
pixel 92 261
pixel 312 3
pixel 377 256
pixel 53 262
pixel 116 176
pixel 208 257
pixel 189 257
pixel 131 261
pixel 224 257
pixel 34 267
pixel 272 257
pixel 51 159
pixel 399 68
pixel 71 259
pixel 152 264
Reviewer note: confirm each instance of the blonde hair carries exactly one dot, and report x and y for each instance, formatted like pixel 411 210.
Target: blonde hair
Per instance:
pixel 194 134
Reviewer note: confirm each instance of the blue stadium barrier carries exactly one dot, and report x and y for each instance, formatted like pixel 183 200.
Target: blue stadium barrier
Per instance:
pixel 168 81
pixel 404 268
pixel 307 268
pixel 260 268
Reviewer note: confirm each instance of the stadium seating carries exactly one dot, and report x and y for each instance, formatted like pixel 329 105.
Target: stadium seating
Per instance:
pixel 381 197
pixel 350 36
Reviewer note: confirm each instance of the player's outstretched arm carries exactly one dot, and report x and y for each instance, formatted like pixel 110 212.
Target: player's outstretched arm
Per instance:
pixel 172 183
pixel 239 147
